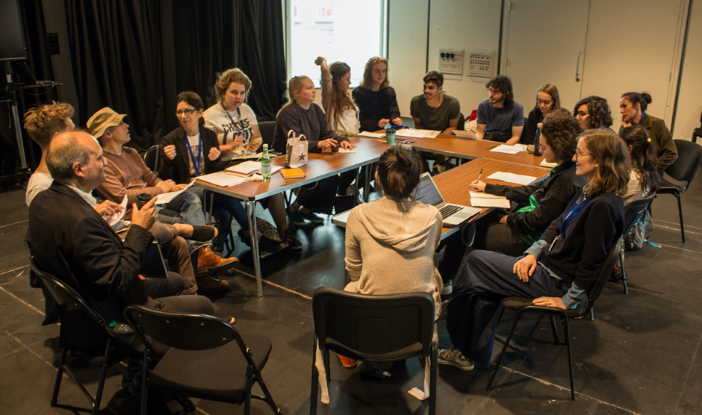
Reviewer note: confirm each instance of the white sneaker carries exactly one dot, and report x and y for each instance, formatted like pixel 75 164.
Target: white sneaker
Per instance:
pixel 448 288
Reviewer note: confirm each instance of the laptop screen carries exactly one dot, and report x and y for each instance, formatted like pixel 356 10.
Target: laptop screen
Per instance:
pixel 426 192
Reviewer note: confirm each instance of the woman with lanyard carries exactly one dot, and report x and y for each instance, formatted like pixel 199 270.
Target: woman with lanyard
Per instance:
pixel 558 269
pixel 192 150
pixel 236 128
pixel 633 109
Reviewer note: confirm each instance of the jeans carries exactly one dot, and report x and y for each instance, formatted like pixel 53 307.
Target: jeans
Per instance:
pixel 224 209
pixel 185 208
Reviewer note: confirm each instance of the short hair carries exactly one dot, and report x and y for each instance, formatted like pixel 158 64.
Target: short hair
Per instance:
pixel 227 77
pixel 43 122
pixel 600 115
pixel 504 85
pixel 553 92
pixel 60 158
pixel 193 100
pixel 643 98
pixel 399 169
pixel 643 157
pixel 368 73
pixel 562 131
pixel 613 168
pixel 436 77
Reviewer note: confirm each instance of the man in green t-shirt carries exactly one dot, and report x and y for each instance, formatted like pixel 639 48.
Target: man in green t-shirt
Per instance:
pixel 434 110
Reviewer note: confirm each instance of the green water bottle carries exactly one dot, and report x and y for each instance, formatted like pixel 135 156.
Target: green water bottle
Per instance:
pixel 265 163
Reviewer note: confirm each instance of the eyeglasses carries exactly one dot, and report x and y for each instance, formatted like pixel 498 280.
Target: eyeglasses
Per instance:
pixel 579 153
pixel 186 111
pixel 582 114
pixel 544 101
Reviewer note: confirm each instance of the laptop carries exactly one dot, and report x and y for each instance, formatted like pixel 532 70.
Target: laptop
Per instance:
pixel 153 265
pixel 453 215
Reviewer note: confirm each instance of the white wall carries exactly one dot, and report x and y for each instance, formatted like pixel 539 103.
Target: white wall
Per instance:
pixel 690 99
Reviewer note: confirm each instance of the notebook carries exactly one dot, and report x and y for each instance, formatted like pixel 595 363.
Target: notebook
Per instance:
pixel 453 215
pixel 153 265
pixel 292 173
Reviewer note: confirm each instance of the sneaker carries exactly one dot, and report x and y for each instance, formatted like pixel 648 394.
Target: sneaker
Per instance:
pixel 208 260
pixel 454 357
pixel 294 243
pixel 448 288
pixel 296 218
pixel 346 362
pixel 444 310
pixel 312 217
pixel 211 285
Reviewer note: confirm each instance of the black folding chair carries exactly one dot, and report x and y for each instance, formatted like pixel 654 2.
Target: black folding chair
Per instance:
pixel 267 129
pixel 632 213
pixel 697 132
pixel 374 328
pixel 208 358
pixel 683 169
pixel 69 300
pixel 526 305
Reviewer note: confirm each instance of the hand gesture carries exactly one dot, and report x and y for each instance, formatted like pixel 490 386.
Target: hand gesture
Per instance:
pixel 146 216
pixel 477 186
pixel 214 153
pixel 238 140
pixel 328 143
pixel 625 123
pixel 320 61
pixel 166 185
pixel 525 267
pixel 170 152
pixel 108 208
pixel 178 187
pixel 254 146
pixel 347 145
pixel 383 122
pixel 555 302
pixel 397 121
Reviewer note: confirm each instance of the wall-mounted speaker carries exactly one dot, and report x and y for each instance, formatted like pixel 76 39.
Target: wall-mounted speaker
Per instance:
pixel 12 46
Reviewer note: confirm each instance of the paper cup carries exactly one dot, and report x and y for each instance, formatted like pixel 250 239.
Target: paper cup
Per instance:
pixel 390 136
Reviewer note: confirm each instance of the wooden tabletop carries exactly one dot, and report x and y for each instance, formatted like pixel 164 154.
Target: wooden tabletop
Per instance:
pixel 319 166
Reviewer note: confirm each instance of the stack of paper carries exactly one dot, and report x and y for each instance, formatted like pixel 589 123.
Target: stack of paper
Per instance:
pixel 371 135
pixel 412 133
pixel 504 148
pixel 246 168
pixel 480 199
pixel 512 178
pixel 222 179
pixel 465 134
pixel 347 150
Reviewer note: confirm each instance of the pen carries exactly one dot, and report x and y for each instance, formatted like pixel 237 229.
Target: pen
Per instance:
pixel 410 142
pixel 479 176
pixel 490 148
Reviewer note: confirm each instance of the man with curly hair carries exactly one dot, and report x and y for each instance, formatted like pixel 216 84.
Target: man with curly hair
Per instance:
pixel 500 117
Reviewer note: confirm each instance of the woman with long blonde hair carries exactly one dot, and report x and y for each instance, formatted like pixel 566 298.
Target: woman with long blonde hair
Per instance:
pixel 375 98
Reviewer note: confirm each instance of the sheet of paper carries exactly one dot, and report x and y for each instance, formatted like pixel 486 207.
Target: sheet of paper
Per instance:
pixel 465 134
pixel 489 202
pixel 246 167
pixel 347 150
pixel 222 179
pixel 545 163
pixel 164 198
pixel 410 132
pixel 512 178
pixel 483 195
pixel 504 148
pixel 430 133
pixel 114 219
pixel 371 135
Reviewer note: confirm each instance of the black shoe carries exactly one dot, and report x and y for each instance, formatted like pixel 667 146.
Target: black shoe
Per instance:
pixel 294 243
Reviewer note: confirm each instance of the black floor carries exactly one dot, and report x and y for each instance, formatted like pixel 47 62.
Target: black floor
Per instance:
pixel 640 355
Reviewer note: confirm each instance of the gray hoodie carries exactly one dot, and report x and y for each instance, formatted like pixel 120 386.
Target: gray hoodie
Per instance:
pixel 390 248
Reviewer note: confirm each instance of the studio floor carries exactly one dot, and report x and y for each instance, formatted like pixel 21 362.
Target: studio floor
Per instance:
pixel 639 356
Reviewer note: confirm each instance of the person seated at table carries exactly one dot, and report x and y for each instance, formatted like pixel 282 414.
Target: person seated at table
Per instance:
pixel 500 117
pixel 302 116
pixel 390 242
pixel 539 203
pixel 644 177
pixel 376 99
pixel 633 109
pixel 434 110
pixel 187 156
pixel 558 269
pixel 339 108
pixel 127 176
pixel 593 112
pixel 547 100
pixel 231 118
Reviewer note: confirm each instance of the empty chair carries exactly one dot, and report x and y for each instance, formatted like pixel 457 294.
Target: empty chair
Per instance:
pixel 525 305
pixel 267 129
pixel 374 328
pixel 208 358
pixel 632 213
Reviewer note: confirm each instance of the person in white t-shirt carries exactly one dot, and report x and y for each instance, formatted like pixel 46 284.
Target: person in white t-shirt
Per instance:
pixel 233 120
pixel 341 111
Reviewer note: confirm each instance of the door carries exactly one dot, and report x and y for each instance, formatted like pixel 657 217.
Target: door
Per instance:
pixel 545 44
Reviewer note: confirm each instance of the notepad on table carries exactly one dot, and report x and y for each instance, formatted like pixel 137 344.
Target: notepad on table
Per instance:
pixel 369 134
pixel 413 133
pixel 504 148
pixel 292 173
pixel 246 168
pixel 222 179
pixel 490 202
pixel 347 150
pixel 512 178
pixel 465 134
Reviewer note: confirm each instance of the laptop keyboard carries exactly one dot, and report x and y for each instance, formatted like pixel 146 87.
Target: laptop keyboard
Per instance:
pixel 449 210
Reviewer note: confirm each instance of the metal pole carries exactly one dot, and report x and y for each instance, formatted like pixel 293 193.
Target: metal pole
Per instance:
pixel 15 115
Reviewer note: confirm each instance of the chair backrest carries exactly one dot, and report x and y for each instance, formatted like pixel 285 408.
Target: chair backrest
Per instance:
pixel 374 327
pixel 605 273
pixel 267 129
pixel 65 295
pixel 152 158
pixel 184 331
pixel 461 122
pixel 689 159
pixel 633 210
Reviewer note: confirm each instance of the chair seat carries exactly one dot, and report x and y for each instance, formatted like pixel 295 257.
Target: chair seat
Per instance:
pixel 668 187
pixel 216 374
pixel 517 303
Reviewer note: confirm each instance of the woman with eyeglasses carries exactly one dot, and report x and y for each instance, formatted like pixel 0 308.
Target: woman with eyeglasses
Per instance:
pixel 593 112
pixel 556 271
pixel 633 109
pixel 547 100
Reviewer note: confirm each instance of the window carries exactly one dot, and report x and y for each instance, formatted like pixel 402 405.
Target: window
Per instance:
pixel 350 31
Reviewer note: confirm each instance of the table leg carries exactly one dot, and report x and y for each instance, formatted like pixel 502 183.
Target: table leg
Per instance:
pixel 251 212
pixel 366 185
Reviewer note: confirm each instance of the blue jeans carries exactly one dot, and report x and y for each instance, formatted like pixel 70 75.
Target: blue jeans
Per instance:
pixel 185 208
pixel 224 209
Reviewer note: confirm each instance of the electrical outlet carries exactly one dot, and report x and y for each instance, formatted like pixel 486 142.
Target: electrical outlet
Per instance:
pixel 481 63
pixel 451 61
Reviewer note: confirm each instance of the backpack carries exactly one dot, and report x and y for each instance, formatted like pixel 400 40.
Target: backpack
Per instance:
pixel 640 232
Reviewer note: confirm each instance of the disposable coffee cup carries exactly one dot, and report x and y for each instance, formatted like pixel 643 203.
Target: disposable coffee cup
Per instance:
pixel 142 199
pixel 335 148
pixel 390 136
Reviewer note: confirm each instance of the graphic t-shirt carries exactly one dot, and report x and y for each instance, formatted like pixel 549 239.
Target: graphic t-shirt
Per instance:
pixel 230 124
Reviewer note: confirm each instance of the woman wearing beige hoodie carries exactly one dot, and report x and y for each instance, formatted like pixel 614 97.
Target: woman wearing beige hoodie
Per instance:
pixel 390 243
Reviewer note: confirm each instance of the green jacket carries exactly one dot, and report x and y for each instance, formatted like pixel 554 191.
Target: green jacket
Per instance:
pixel 662 140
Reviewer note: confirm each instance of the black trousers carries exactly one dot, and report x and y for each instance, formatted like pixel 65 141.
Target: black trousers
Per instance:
pixel 483 282
pixel 320 196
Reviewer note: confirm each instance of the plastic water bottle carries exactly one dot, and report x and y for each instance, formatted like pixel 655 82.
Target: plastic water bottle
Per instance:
pixel 265 163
